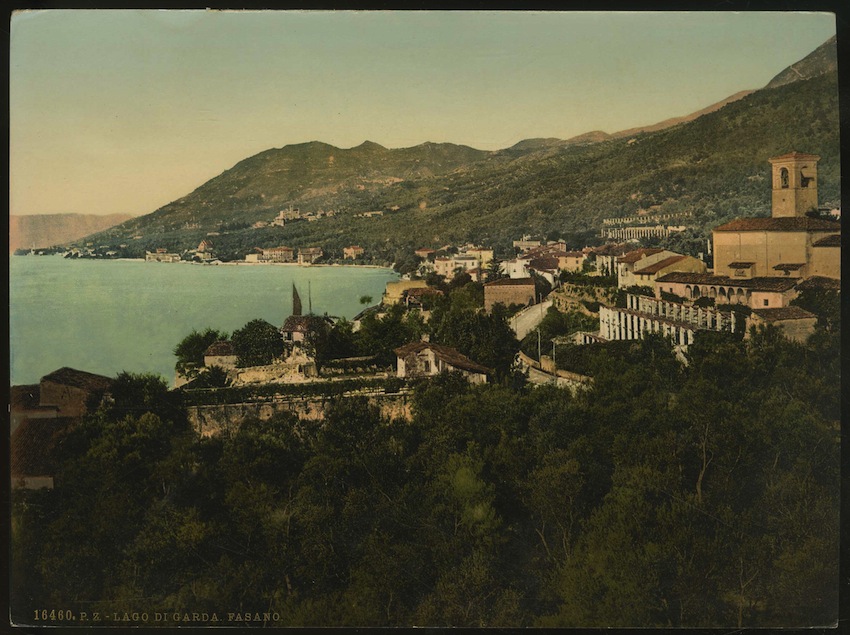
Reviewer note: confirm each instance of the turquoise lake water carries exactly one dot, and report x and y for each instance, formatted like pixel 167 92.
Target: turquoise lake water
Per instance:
pixel 109 316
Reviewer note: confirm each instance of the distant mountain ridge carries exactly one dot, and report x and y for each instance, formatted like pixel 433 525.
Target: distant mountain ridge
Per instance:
pixel 47 230
pixel 712 162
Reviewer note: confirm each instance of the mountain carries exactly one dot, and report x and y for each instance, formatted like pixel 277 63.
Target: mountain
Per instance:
pixel 47 230
pixel 713 166
pixel 675 121
pixel 824 59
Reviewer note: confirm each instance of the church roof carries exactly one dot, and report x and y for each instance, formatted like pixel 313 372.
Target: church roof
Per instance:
pixel 786 224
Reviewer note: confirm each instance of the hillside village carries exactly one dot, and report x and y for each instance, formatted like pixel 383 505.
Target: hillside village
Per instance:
pixel 759 267
pixel 623 291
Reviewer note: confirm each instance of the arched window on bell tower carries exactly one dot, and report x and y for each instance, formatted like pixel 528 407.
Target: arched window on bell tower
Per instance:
pixel 783 178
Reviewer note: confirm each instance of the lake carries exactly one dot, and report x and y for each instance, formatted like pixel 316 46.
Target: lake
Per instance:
pixel 106 316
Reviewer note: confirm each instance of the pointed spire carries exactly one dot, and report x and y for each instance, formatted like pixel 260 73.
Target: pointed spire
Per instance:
pixel 296 301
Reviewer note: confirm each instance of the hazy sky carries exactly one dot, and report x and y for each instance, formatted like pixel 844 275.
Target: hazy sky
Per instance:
pixel 124 111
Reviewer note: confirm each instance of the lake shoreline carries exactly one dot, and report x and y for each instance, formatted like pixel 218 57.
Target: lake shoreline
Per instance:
pixel 229 264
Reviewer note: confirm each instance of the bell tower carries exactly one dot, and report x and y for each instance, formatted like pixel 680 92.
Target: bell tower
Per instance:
pixel 795 184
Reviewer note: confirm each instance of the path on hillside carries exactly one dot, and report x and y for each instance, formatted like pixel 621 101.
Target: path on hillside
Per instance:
pixel 527 320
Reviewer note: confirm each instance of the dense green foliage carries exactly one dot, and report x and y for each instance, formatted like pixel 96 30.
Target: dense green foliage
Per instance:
pixel 257 343
pixel 663 495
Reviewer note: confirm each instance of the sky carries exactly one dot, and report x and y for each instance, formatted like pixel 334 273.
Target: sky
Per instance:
pixel 124 111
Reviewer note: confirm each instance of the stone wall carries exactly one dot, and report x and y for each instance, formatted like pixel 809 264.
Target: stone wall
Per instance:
pixel 212 420
pixel 569 297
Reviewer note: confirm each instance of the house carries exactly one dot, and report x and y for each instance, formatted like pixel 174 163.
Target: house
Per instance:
pixel 525 244
pixel 395 290
pixel 606 257
pixel 296 328
pixel 353 252
pixel 424 359
pixel 646 274
pixel 70 390
pixel 309 255
pixel 161 255
pixel 38 412
pixel 419 296
pixel 516 268
pixel 509 291
pixel 546 266
pixel 571 261
pixel 277 254
pixel 796 323
pixel 449 267
pixel 637 258
pixel 204 246
pixel 221 354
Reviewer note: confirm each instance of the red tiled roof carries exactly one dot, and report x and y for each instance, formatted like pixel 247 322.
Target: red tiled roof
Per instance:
pixel 445 353
pixel 658 266
pixel 510 281
pixel 795 155
pixel 545 263
pixel 301 323
pixel 755 284
pixel 420 291
pixel 788 224
pixel 828 241
pixel 612 250
pixel 783 313
pixel 78 379
pixel 638 254
pixel 219 349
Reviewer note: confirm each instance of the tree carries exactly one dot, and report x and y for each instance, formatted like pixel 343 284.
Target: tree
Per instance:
pixel 213 377
pixel 257 343
pixel 190 351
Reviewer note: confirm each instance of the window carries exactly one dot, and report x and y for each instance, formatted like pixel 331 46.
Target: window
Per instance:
pixel 783 178
pixel 427 365
pixel 766 302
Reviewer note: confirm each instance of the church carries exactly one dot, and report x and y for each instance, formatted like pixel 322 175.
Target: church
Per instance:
pixel 760 263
